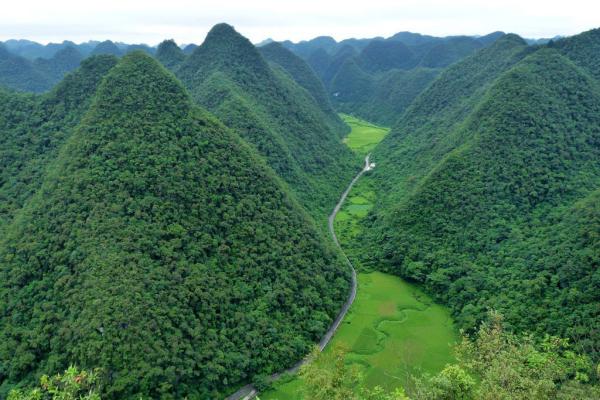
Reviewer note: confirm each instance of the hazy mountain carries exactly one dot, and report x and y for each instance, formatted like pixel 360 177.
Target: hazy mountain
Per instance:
pixel 169 54
pixel 107 47
pixel 65 60
pixel 19 73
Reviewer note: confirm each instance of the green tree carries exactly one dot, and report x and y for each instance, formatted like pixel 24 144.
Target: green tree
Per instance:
pixel 74 384
pixel 518 367
pixel 327 376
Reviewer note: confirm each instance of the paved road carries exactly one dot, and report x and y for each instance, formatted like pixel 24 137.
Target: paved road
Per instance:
pixel 249 392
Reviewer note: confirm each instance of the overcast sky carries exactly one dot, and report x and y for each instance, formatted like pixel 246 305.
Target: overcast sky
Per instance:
pixel 188 21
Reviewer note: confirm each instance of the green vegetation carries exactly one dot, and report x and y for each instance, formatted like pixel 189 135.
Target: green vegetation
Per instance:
pixel 302 74
pixel 39 75
pixel 393 331
pixel 180 256
pixel 363 136
pixel 392 93
pixel 36 127
pixel 384 55
pixel 377 79
pixel 487 192
pixel 493 365
pixel 72 385
pixel 107 47
pixel 268 109
pixel 20 74
pixel 169 54
pixel 449 51
pixel 161 249
pixel 381 98
pixel 63 62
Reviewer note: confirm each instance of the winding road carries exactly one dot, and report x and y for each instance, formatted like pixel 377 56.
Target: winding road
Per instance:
pixel 249 392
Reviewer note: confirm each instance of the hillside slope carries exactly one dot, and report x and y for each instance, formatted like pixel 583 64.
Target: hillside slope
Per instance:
pixel 498 156
pixel 304 76
pixel 35 127
pixel 228 75
pixel 161 249
pixel 382 98
pixel 64 61
pixel 39 75
pixel 18 73
pixel 169 54
pixel 379 80
pixel 429 128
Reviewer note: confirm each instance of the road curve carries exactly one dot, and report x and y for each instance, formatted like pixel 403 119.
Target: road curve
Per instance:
pixel 249 392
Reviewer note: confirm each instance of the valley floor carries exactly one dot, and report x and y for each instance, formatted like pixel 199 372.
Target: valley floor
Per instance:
pixel 393 330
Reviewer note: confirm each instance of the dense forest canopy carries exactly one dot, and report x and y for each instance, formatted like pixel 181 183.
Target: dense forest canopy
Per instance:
pixel 160 248
pixel 280 118
pixel 304 76
pixel 162 225
pixel 169 54
pixel 488 190
pixel 34 128
pixel 378 78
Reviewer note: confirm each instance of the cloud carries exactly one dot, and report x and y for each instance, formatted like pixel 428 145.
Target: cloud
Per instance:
pixel 188 21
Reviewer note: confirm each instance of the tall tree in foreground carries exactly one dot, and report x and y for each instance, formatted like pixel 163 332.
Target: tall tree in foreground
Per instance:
pixel 494 364
pixel 72 385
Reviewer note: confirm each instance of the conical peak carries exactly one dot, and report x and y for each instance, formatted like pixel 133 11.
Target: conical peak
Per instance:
pixel 68 51
pixel 167 44
pixel 226 35
pixel 107 47
pixel 227 51
pixel 275 46
pixel 169 53
pixel 511 38
pixel 222 29
pixel 139 84
pixel 276 50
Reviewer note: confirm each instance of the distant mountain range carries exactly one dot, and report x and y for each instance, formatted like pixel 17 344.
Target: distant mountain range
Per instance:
pixel 32 50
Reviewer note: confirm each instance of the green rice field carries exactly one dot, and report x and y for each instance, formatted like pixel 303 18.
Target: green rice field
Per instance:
pixel 393 329
pixel 364 136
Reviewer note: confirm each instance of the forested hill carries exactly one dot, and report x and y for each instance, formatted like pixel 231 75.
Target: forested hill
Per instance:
pixel 583 50
pixel 378 78
pixel 35 127
pixel 19 73
pixel 304 76
pixel 39 75
pixel 489 187
pixel 228 75
pixel 107 47
pixel 169 54
pixel 161 249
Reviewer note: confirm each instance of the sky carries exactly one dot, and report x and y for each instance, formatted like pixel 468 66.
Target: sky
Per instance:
pixel 188 21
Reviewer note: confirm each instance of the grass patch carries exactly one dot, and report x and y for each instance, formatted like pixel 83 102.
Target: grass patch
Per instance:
pixel 391 333
pixel 363 136
pixel 393 329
